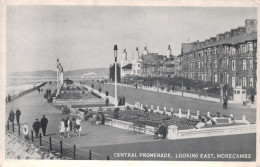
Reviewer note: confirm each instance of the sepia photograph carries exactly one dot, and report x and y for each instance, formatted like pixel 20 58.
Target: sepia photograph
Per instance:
pixel 139 83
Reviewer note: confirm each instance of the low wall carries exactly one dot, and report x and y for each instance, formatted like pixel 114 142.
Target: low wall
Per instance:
pixel 174 133
pixel 208 132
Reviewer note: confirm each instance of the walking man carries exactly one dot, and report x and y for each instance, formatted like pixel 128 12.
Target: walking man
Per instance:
pixel 107 102
pixel 18 114
pixel 11 117
pixel 44 122
pixel 36 127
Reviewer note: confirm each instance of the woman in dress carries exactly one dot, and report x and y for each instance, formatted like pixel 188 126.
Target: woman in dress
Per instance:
pixel 68 126
pixel 62 128
pixel 78 126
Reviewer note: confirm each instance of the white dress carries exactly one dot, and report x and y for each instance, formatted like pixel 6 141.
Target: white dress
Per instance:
pixel 62 126
pixel 78 122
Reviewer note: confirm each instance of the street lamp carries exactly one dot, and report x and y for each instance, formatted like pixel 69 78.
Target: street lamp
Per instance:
pixel 115 55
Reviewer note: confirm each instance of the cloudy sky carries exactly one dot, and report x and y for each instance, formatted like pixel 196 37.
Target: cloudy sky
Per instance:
pixel 83 36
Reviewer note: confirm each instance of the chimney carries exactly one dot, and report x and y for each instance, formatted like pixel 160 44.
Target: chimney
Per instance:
pixel 212 39
pixel 227 35
pixel 234 32
pixel 207 41
pixel 221 36
pixel 136 49
pixel 241 29
pixel 251 25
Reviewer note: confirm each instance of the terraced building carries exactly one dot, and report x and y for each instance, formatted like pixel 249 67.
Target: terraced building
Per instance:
pixel 230 58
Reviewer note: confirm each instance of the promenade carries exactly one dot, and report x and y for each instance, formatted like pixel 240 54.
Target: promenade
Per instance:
pixel 33 105
pixel 108 140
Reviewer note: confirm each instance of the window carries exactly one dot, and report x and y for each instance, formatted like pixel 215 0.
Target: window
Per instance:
pixel 233 65
pixel 215 51
pixel 210 64
pixel 205 77
pixel 227 62
pixel 243 48
pixel 206 64
pixel 202 77
pixel 209 51
pixel 233 51
pixel 226 49
pixel 216 78
pixel 216 63
pixel 227 78
pixel 199 64
pixel 244 81
pixel 250 47
pixel 251 64
pixel 244 65
pixel 250 82
pixel 233 82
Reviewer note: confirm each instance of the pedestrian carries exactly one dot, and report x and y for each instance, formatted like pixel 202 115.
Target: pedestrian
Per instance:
pixel 62 128
pixel 107 102
pixel 18 114
pixel 39 90
pixel 9 97
pixel 225 99
pixel 11 117
pixel 123 100
pixel 36 127
pixel 44 122
pixel 68 126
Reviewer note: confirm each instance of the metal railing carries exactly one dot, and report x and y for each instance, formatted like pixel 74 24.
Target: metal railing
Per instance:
pixel 57 147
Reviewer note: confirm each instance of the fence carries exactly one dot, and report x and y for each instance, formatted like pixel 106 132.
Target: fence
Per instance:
pixel 57 147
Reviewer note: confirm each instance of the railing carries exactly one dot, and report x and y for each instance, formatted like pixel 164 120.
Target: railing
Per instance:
pixel 57 147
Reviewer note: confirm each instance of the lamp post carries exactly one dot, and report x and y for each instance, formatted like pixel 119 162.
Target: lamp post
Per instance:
pixel 115 55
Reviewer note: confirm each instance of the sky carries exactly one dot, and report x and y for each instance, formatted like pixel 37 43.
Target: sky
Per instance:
pixel 84 36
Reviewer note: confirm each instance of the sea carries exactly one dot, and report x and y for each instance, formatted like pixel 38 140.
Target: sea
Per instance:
pixel 17 84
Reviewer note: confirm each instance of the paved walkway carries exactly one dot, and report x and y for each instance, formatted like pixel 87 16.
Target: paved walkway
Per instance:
pixel 176 93
pixel 34 106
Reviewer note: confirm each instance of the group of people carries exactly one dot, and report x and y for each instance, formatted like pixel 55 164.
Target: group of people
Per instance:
pixel 40 125
pixel 48 95
pixel 16 115
pixel 40 90
pixel 66 126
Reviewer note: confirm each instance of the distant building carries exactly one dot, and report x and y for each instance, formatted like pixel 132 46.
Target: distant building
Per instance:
pixel 229 58
pixel 154 65
pixel 92 75
pixel 136 63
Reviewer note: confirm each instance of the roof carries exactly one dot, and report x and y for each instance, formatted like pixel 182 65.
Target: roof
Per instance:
pixel 240 38
pixel 128 66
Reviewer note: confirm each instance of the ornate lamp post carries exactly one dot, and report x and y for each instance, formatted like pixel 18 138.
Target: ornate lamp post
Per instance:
pixel 115 55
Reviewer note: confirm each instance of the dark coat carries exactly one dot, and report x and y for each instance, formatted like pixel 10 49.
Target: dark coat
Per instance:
pixel 18 113
pixel 11 116
pixel 44 122
pixel 36 126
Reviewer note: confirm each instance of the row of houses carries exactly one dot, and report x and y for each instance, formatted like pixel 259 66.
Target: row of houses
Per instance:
pixel 229 58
